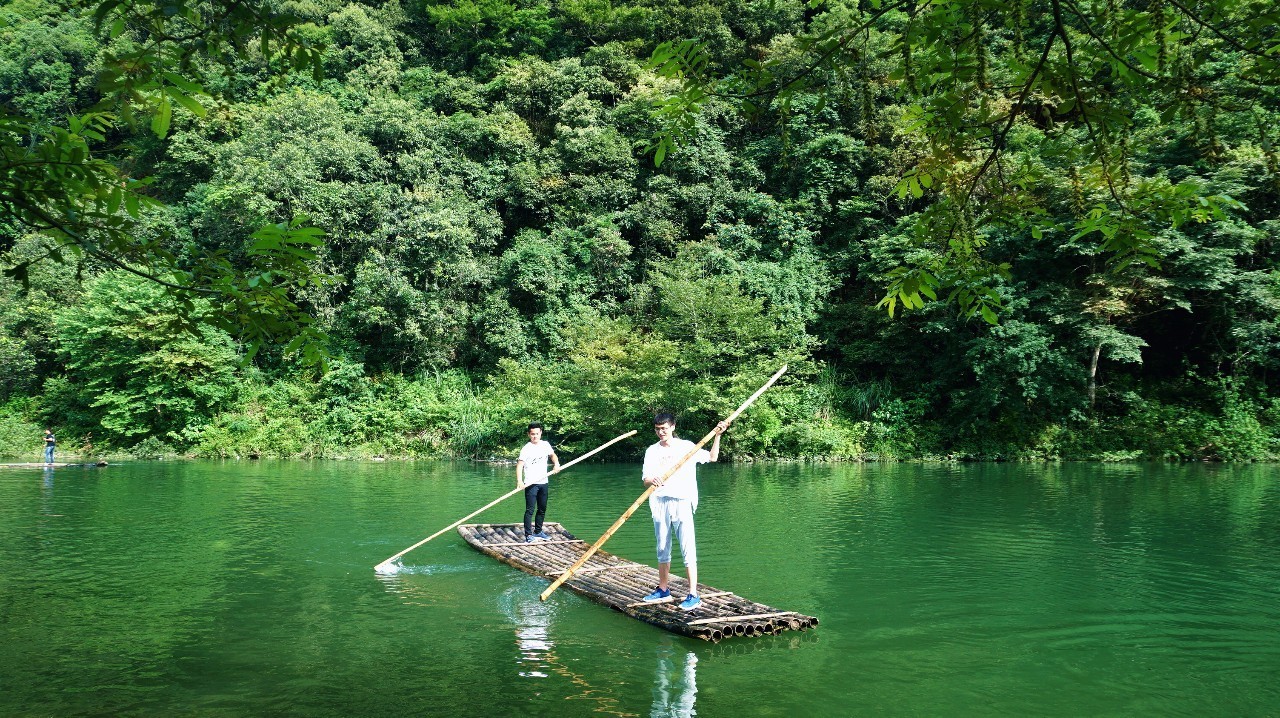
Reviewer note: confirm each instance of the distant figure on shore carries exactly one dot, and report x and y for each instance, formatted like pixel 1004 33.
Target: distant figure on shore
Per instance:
pixel 49 443
pixel 531 475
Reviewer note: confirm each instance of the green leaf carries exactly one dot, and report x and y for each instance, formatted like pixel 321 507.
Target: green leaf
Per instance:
pixel 186 101
pixel 182 83
pixel 160 121
pixel 103 10
pixel 1148 59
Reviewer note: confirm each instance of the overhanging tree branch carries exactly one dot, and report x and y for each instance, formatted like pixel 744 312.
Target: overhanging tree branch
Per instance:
pixel 1221 35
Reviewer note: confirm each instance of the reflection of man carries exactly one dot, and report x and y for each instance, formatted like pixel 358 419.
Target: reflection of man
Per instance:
pixel 674 684
pixel 532 621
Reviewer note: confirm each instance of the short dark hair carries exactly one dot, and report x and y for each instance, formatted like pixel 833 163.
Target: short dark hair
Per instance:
pixel 534 425
pixel 664 417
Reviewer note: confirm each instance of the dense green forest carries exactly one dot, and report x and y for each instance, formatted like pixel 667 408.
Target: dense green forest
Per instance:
pixel 956 256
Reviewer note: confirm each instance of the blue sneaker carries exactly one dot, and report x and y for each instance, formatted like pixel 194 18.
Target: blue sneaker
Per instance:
pixel 543 535
pixel 690 602
pixel 530 538
pixel 658 595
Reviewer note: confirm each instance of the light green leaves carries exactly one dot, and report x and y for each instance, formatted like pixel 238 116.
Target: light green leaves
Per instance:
pixel 914 182
pixel 970 287
pixel 160 120
pixel 686 61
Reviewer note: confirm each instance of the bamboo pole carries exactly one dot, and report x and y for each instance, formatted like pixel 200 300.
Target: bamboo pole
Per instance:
pixel 568 574
pixel 385 566
pixel 729 619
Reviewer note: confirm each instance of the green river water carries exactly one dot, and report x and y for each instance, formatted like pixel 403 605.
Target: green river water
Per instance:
pixel 247 589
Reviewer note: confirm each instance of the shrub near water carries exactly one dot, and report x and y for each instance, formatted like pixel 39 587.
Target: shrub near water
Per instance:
pixel 20 438
pixel 134 370
pixel 350 414
pixel 1170 431
pixel 446 415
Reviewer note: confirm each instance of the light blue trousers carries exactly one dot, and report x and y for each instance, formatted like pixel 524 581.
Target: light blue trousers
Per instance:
pixel 671 515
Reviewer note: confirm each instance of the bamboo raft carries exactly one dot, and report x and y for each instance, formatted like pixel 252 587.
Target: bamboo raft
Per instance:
pixel 55 465
pixel 621 585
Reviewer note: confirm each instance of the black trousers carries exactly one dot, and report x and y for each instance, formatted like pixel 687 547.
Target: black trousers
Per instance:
pixel 535 495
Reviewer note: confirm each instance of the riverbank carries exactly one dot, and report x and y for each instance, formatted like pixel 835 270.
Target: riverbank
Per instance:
pixel 352 416
pixel 1112 458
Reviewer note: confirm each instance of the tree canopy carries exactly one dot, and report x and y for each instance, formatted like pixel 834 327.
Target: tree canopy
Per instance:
pixel 457 203
pixel 67 176
pixel 995 105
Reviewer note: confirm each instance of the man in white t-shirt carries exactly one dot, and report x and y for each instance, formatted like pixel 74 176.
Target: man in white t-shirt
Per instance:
pixel 675 500
pixel 531 475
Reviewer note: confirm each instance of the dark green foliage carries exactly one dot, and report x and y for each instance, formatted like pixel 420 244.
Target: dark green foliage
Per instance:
pixel 67 163
pixel 488 241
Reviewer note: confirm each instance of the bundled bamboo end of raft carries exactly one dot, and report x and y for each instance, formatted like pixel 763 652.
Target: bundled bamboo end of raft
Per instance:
pixel 751 626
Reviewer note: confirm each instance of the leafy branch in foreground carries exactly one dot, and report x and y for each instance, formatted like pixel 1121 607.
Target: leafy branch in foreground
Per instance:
pixel 54 180
pixel 995 105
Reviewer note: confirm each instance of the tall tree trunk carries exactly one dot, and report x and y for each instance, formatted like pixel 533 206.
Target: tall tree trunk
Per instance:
pixel 1093 375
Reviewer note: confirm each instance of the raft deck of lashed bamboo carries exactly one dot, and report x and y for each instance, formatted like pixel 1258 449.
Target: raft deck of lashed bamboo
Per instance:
pixel 56 465
pixel 622 585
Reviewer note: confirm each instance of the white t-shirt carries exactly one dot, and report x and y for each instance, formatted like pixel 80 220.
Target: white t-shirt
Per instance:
pixel 659 459
pixel 535 458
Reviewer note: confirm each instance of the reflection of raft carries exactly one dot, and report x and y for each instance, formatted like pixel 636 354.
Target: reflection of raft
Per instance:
pixel 621 584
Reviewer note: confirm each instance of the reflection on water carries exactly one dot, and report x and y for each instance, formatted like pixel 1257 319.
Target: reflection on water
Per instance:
pixel 675 684
pixel 535 622
pixel 787 641
pixel 227 589
pixel 46 493
pixel 531 619
pixel 46 490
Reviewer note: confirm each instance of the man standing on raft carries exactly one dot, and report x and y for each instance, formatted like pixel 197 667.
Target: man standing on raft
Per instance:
pixel 49 443
pixel 674 502
pixel 531 475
